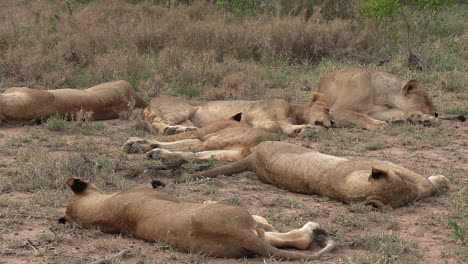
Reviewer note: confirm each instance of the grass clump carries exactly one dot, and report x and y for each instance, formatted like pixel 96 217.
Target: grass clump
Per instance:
pixel 459 222
pixel 56 122
pixel 374 146
pixel 38 170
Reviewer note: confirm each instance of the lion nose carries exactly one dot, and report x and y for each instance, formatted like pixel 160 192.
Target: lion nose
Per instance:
pixel 436 114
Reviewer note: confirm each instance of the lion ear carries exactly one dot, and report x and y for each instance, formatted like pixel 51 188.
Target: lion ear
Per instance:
pixel 410 87
pixel 378 173
pixel 237 117
pixel 77 185
pixel 314 98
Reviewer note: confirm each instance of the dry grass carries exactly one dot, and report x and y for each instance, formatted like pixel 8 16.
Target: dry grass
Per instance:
pixel 177 49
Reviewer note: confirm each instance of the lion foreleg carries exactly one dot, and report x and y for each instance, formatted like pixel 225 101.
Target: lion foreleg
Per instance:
pixel 390 115
pixel 267 125
pixel 136 145
pixel 292 130
pixel 395 115
pixel 180 144
pixel 166 129
pixel 347 118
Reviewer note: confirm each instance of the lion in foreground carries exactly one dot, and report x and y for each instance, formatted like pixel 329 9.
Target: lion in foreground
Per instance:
pixel 170 115
pixel 227 139
pixel 378 183
pixel 368 98
pixel 213 229
pixel 21 105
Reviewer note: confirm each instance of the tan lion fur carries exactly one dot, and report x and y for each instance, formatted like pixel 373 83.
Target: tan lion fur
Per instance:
pixel 223 140
pixel 213 229
pixel 369 99
pixel 379 183
pixel 169 114
pixel 21 105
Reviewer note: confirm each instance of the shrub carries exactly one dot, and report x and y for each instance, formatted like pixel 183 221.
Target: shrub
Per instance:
pixel 417 15
pixel 56 122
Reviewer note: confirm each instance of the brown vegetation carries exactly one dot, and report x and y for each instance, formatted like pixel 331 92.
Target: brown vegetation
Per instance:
pixel 156 47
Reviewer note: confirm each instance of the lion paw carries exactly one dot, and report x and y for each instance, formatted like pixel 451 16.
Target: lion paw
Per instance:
pixel 376 125
pixel 172 130
pixel 425 120
pixel 154 154
pixel 133 145
pixel 310 227
pixel 440 182
pixel 397 121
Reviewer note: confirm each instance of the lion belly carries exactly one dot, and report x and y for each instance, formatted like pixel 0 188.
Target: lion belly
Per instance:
pixel 190 227
pixel 362 90
pixel 217 110
pixel 298 172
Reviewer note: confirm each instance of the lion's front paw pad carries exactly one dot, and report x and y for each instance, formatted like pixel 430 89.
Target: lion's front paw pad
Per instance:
pixel 154 154
pixel 171 131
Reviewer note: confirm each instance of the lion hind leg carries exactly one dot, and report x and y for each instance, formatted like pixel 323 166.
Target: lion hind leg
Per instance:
pixel 299 238
pixel 440 182
pixel 228 155
pixel 264 223
pixel 258 244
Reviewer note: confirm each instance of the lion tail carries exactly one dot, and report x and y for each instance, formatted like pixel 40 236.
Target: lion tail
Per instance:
pixel 242 165
pixel 461 118
pixel 258 246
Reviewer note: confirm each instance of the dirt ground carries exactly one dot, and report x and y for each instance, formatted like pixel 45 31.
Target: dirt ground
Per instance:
pixel 35 161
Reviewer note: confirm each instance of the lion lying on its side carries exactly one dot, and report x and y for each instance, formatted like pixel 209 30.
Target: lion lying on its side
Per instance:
pixel 222 140
pixel 214 229
pixel 374 182
pixel 21 105
pixel 170 115
pixel 367 98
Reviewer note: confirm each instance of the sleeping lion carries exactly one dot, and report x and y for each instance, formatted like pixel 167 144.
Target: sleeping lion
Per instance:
pixel 227 140
pixel 213 229
pixel 371 99
pixel 171 115
pixel 378 183
pixel 21 105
